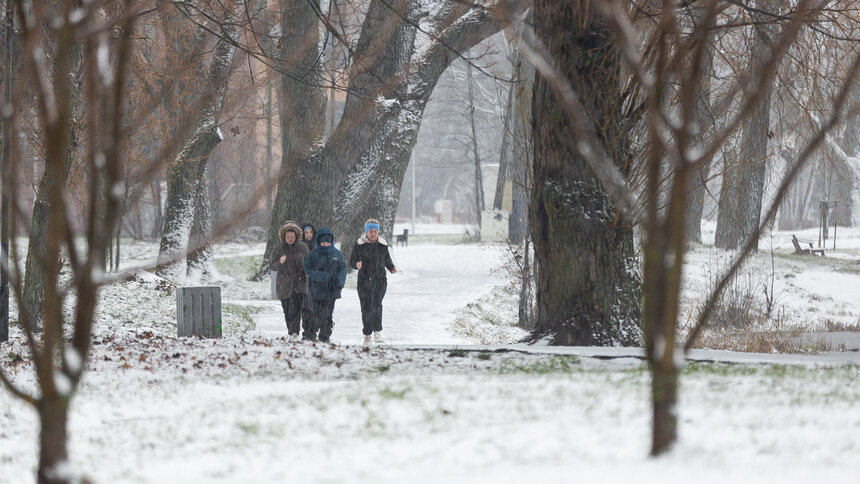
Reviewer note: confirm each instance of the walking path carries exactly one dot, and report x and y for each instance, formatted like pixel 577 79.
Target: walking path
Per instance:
pixel 433 282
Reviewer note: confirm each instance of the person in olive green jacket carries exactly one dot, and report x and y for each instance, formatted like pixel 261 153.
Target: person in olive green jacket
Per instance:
pixel 288 259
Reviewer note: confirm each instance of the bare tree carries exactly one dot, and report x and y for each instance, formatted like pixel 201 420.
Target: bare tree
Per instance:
pixel 671 68
pixel 73 41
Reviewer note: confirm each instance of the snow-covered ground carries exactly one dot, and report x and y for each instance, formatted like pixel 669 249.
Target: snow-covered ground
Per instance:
pixel 252 408
pixel 810 294
pixel 432 284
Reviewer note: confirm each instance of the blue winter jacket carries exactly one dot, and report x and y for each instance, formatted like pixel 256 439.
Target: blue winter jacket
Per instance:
pixel 326 270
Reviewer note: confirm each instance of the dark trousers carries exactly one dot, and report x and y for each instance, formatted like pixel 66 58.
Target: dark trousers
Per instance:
pixel 309 326
pixel 323 309
pixel 292 311
pixel 370 294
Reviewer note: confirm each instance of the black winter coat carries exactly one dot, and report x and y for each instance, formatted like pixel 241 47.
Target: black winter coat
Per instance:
pixel 374 258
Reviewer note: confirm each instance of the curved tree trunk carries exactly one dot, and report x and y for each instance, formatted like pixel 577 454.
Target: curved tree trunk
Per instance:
pixel 349 180
pixel 201 261
pixel 372 187
pixel 311 187
pixel 588 284
pixel 191 160
pixel 183 188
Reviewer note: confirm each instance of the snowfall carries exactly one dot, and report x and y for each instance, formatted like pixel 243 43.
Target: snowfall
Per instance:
pixel 452 395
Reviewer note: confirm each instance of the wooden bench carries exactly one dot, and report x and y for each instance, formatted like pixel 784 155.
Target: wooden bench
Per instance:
pixel 798 249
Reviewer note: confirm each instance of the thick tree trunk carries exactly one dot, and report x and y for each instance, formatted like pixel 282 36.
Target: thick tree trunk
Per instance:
pixel 182 192
pixel 588 285
pixel 301 104
pixel 34 282
pixel 743 185
pixel 201 261
pixel 192 158
pixel 369 131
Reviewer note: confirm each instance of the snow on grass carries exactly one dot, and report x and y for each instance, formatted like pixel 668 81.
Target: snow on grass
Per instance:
pixel 251 407
pixel 261 410
pixel 810 293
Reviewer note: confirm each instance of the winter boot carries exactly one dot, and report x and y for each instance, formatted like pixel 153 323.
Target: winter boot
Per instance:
pixel 367 339
pixel 377 337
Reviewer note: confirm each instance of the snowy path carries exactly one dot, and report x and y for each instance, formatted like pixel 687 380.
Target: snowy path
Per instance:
pixel 432 283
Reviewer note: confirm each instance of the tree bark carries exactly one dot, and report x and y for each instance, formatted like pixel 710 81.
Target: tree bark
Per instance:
pixel 191 160
pixel 704 125
pixel 523 148
pixel 34 282
pixel 53 438
pixel 10 56
pixel 301 105
pixel 182 195
pixel 504 158
pixel 588 284
pixel 372 187
pixel 201 261
pixel 743 185
pixel 476 157
pixel 378 124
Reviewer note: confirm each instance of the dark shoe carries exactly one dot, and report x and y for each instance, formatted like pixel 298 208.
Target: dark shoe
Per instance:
pixel 324 339
pixel 309 337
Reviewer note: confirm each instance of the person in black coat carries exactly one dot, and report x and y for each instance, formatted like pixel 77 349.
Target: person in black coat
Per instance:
pixel 370 256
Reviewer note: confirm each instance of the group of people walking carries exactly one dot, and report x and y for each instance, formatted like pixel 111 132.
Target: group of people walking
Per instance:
pixel 311 274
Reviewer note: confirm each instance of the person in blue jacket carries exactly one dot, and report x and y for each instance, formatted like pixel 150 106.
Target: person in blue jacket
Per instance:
pixel 326 270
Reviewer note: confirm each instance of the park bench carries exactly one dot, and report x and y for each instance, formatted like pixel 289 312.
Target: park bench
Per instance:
pixel 798 249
